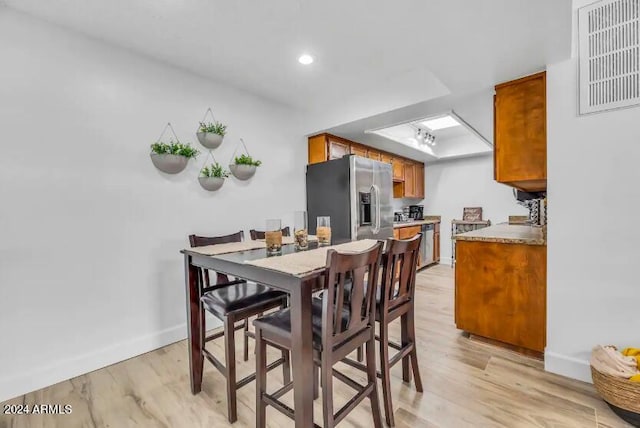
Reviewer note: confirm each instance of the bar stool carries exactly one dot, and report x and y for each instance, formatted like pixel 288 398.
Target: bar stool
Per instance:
pixel 233 301
pixel 339 327
pixel 396 299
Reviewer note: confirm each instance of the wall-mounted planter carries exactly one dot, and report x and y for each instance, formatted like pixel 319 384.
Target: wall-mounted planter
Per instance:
pixel 211 183
pixel 209 139
pixel 171 164
pixel 243 172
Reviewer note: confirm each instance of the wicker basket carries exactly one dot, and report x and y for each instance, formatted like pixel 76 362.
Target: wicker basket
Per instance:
pixel 622 395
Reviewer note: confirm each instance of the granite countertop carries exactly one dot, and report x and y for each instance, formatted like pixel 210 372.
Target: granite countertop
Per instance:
pixel 427 220
pixel 507 234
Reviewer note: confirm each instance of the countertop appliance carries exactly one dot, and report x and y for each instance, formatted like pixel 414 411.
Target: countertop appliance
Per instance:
pixel 356 193
pixel 416 212
pixel 426 246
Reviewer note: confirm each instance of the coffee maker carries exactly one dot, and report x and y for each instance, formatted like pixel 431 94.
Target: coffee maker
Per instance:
pixel 416 212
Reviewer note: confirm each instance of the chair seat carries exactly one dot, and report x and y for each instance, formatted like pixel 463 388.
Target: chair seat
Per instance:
pixel 281 320
pixel 242 296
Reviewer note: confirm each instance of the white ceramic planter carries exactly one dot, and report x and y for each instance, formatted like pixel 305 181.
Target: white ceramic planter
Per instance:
pixel 171 164
pixel 211 183
pixel 209 139
pixel 243 172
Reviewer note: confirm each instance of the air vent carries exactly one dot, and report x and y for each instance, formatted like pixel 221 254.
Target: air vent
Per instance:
pixel 609 37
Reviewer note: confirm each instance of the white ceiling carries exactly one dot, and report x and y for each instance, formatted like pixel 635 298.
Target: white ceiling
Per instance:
pixel 371 55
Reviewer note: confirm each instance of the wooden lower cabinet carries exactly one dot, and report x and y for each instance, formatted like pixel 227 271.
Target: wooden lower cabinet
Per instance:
pixel 500 292
pixel 408 232
pixel 436 247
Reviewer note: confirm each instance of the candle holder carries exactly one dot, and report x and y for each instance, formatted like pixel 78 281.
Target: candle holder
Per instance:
pixel 300 231
pixel 273 237
pixel 323 230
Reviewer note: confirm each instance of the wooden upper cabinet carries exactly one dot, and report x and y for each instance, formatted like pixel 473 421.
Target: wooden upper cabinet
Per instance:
pixel 409 180
pixel 373 154
pixel 318 149
pixel 408 175
pixel 520 133
pixel 419 174
pixel 359 150
pixel 398 169
pixel 338 149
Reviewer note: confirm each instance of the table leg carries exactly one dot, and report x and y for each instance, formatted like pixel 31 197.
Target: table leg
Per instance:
pixel 194 325
pixel 302 354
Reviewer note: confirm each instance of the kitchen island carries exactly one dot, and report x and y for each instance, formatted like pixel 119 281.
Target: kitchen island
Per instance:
pixel 500 281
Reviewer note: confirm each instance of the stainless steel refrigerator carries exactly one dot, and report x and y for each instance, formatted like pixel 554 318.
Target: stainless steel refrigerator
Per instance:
pixel 356 193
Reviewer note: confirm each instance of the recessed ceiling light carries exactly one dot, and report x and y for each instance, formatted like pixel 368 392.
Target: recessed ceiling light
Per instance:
pixel 305 59
pixel 440 123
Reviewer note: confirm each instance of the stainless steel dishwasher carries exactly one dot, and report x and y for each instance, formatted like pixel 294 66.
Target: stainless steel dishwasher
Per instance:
pixel 426 247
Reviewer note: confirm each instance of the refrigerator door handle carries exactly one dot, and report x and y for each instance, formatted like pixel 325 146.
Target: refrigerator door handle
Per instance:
pixel 376 191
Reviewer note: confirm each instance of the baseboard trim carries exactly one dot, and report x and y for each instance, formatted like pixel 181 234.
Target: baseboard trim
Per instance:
pixel 23 383
pixel 567 366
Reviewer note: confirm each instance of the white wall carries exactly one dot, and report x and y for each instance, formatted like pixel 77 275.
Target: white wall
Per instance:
pixel 90 269
pixel 453 185
pixel 592 280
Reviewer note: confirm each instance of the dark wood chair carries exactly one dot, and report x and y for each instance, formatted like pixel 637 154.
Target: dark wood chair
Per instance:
pixel 234 301
pixel 257 234
pixel 339 328
pixel 395 300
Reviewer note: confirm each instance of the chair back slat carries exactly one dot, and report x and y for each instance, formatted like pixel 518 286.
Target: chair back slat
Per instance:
pixel 259 234
pixel 201 241
pixel 360 270
pixel 400 262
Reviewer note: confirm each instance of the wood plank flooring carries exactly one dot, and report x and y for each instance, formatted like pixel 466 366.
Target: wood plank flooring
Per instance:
pixel 467 384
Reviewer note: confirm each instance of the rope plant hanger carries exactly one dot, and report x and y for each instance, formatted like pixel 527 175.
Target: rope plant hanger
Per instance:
pixel 212 176
pixel 171 157
pixel 243 167
pixel 211 134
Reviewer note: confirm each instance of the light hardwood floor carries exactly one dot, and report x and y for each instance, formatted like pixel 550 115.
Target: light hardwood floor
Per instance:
pixel 466 384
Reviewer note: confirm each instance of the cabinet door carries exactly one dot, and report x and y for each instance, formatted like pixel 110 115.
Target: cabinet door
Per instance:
pixel 419 174
pixel 436 247
pixel 409 232
pixel 372 154
pixel 317 149
pixel 385 158
pixel 337 149
pixel 409 180
pixel 398 169
pixel 359 150
pixel 520 150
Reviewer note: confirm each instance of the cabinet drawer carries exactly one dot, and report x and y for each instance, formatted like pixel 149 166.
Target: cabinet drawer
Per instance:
pixel 408 232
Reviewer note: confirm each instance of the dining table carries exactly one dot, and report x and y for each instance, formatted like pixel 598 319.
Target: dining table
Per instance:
pixel 247 264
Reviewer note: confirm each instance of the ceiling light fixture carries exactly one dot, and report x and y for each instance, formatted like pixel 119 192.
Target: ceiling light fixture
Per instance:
pixel 305 59
pixel 424 137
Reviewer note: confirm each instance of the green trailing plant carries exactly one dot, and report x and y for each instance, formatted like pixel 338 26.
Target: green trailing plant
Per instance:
pixel 213 128
pixel 174 148
pixel 214 170
pixel 246 160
